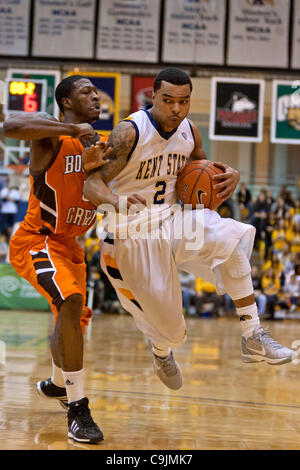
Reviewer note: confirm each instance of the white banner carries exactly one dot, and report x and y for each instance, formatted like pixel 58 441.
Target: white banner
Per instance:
pixel 296 36
pixel 258 33
pixel 14 27
pixel 128 30
pixel 194 32
pixel 64 28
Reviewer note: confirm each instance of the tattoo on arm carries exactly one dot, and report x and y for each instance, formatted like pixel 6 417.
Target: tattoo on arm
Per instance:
pixel 121 140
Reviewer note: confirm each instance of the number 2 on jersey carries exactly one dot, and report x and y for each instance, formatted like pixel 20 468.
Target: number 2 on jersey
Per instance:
pixel 158 196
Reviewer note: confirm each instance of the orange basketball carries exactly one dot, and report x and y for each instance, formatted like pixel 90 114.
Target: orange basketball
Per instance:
pixel 195 184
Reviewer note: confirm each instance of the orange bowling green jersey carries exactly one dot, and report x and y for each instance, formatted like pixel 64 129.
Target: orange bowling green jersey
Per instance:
pixel 56 202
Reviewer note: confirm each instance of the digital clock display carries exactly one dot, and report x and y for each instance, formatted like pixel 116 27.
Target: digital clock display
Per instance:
pixel 25 95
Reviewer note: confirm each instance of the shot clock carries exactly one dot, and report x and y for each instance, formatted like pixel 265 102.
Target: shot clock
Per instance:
pixel 25 95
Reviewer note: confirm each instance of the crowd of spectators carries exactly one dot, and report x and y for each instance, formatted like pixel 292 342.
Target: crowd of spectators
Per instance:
pixel 275 261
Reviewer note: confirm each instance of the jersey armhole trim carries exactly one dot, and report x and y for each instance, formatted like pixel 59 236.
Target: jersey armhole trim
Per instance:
pixel 137 135
pixel 192 131
pixel 55 154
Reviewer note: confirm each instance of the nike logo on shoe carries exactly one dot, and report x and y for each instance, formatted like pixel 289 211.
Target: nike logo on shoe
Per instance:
pixel 261 351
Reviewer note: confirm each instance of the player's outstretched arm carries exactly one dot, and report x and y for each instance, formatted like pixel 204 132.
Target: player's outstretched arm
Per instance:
pixel 121 142
pixel 38 126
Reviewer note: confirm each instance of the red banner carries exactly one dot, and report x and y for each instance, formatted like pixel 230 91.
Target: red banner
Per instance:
pixel 142 88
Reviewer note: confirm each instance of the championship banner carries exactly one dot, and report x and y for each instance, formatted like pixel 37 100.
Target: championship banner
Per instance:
pixel 296 36
pixel 52 78
pixel 64 28
pixel 194 32
pixel 285 125
pixel 108 86
pixel 16 293
pixel 129 30
pixel 14 27
pixel 142 88
pixel 258 33
pixel 236 109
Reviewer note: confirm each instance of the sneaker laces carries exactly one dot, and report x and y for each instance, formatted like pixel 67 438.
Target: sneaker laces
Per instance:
pixel 258 333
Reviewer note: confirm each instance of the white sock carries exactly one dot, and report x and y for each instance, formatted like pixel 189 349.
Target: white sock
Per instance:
pixel 57 377
pixel 74 385
pixel 249 319
pixel 160 352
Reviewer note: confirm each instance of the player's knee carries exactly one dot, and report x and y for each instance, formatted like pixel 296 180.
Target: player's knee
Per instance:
pixel 237 266
pixel 236 275
pixel 71 308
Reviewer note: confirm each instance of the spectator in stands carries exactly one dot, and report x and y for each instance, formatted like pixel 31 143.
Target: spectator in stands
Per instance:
pixel 274 263
pixel 286 259
pixel 187 283
pixel 206 293
pixel 279 210
pixel 244 200
pixel 3 248
pixel 10 197
pixel 271 288
pixel 292 291
pixel 295 211
pixel 293 236
pixel 286 196
pixel 260 217
pixel 279 236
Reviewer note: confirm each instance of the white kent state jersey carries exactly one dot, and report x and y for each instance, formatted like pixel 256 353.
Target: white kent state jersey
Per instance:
pixel 155 161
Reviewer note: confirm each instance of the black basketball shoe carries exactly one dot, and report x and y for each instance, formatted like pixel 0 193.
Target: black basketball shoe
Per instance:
pixel 81 426
pixel 47 389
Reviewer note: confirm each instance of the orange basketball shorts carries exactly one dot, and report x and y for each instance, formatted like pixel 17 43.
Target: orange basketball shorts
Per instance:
pixel 54 266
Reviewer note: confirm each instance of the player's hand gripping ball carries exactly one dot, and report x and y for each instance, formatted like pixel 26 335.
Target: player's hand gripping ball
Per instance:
pixel 195 184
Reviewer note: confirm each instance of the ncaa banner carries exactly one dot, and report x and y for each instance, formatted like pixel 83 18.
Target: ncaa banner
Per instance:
pixel 64 28
pixel 296 36
pixel 129 30
pixel 14 27
pixel 285 125
pixel 194 32
pixel 259 33
pixel 108 86
pixel 141 92
pixel 236 109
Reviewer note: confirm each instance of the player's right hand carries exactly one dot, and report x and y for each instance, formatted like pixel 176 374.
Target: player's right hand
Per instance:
pixel 95 156
pixel 83 130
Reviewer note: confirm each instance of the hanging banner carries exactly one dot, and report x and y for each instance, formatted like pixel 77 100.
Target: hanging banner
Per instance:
pixel 14 27
pixel 16 293
pixel 108 86
pixel 285 125
pixel 258 33
pixel 52 78
pixel 296 36
pixel 194 32
pixel 129 30
pixel 142 88
pixel 64 28
pixel 236 109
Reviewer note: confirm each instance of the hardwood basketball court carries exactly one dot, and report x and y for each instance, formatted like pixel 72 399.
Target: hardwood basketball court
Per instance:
pixel 223 404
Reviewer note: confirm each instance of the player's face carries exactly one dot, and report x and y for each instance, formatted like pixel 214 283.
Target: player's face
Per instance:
pixel 171 104
pixel 85 101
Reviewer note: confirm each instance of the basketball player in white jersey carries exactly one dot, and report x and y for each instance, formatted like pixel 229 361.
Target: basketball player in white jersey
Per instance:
pixel 148 150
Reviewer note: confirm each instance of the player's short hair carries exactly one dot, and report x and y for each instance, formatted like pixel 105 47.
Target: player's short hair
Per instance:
pixel 172 75
pixel 65 88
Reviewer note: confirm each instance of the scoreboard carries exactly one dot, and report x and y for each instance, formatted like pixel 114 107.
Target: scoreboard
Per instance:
pixel 25 95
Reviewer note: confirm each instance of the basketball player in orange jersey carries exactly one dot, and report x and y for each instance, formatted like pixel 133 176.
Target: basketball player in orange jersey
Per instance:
pixel 148 150
pixel 44 250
